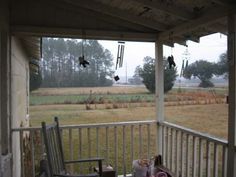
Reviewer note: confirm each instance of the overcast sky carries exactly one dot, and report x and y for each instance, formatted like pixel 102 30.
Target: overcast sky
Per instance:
pixel 209 48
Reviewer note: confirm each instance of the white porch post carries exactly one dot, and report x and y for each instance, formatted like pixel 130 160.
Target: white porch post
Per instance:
pixel 159 90
pixel 231 169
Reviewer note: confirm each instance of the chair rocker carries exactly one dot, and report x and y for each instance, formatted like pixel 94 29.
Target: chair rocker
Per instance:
pixel 56 165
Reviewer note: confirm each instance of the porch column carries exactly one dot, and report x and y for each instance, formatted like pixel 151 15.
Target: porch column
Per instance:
pixel 231 168
pixel 159 69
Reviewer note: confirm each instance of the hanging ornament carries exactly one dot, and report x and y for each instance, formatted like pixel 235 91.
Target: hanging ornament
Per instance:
pixel 120 57
pixel 82 60
pixel 117 78
pixel 171 61
pixel 182 69
pixel 185 62
pixel 120 54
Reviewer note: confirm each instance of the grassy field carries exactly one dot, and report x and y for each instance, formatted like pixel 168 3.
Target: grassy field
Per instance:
pixel 119 104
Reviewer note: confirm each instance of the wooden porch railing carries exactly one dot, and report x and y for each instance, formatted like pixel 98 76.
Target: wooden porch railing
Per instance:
pixel 186 152
pixel 118 143
pixel 192 154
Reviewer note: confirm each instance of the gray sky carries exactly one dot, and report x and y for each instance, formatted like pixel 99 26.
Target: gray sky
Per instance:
pixel 209 48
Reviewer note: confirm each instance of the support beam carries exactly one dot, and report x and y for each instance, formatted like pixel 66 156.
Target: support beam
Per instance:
pixel 208 18
pixel 159 72
pixel 231 164
pixel 169 9
pixel 80 33
pixel 115 12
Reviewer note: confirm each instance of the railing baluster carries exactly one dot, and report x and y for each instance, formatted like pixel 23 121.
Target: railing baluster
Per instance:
pixel 80 146
pixel 167 146
pixel 163 145
pixel 224 161
pixel 116 148
pixel 107 147
pixel 148 141
pixel 22 154
pixel 200 157
pixel 187 155
pixel 89 142
pixel 97 141
pixel 182 154
pixel 124 153
pixel 208 160
pixel 171 148
pixel 215 167
pixel 32 152
pixel 177 153
pixel 42 144
pixel 71 149
pixel 140 141
pixel 80 143
pixel 194 157
pixel 132 143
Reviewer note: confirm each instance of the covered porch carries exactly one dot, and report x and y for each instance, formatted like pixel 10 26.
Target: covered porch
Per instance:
pixel 185 152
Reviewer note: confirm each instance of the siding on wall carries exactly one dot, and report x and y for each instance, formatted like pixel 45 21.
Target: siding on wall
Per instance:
pixel 19 96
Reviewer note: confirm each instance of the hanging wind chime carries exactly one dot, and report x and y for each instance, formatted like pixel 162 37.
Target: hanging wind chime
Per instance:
pixel 82 60
pixel 120 57
pixel 184 62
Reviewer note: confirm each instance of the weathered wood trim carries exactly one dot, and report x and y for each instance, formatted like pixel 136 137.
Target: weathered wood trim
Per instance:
pixel 81 33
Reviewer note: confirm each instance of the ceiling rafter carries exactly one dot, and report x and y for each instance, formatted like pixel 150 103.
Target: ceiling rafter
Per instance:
pixel 217 27
pixel 115 12
pixel 171 10
pixel 221 2
pixel 103 17
pixel 208 18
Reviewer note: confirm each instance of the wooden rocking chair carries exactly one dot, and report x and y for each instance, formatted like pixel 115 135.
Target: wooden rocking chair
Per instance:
pixel 55 157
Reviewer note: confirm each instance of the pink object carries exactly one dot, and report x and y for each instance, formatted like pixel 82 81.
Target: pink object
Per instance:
pixel 161 174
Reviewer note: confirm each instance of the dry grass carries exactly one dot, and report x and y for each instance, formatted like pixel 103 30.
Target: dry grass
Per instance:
pixel 210 119
pixel 87 90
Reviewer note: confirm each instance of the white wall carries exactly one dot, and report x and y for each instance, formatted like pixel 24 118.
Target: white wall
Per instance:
pixel 19 97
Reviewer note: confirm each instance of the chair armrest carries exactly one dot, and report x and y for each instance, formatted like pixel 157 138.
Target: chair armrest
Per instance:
pixel 84 160
pixel 89 175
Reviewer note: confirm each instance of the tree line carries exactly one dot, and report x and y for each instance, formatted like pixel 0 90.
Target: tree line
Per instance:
pixel 60 66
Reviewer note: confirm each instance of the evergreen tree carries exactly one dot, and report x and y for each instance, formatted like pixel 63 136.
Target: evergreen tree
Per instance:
pixel 147 72
pixel 60 64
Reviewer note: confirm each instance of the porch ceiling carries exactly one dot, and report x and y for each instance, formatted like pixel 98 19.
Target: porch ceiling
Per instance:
pixel 130 20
